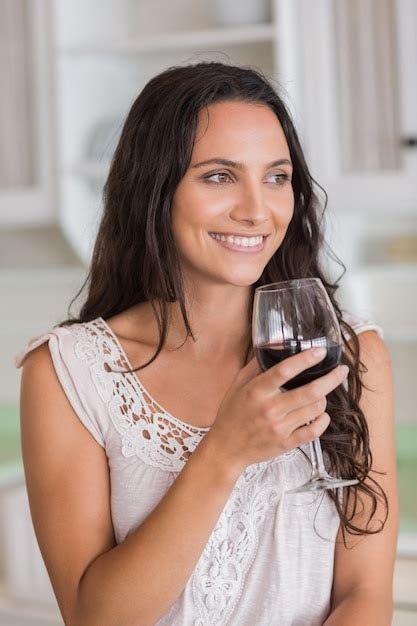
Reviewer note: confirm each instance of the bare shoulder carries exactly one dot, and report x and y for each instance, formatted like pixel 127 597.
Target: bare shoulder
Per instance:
pixel 137 332
pixel 39 383
pixel 373 347
pixel 40 357
pixel 43 402
pixel 133 324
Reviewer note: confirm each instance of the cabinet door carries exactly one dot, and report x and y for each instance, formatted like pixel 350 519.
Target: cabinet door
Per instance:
pixel 26 184
pixel 349 69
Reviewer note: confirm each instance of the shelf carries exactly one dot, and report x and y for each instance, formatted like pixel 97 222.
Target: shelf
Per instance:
pixel 177 41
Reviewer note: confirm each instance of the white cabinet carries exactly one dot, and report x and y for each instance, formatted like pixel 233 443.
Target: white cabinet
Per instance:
pixel 27 190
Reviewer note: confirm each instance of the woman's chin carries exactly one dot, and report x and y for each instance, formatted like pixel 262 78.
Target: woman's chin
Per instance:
pixel 245 279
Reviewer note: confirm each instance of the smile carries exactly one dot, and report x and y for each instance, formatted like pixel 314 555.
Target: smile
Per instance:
pixel 240 244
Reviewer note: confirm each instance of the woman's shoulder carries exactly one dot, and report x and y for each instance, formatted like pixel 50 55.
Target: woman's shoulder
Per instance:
pixel 73 355
pixel 136 325
pixel 62 336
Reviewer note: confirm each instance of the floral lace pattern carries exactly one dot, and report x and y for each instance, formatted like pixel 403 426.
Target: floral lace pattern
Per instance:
pixel 219 577
pixel 146 429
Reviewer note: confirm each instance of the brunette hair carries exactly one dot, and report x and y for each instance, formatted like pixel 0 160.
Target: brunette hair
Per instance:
pixel 135 257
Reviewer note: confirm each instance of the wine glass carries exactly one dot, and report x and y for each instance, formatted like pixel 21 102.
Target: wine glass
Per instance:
pixel 289 317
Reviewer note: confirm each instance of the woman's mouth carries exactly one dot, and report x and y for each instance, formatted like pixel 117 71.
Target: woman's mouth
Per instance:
pixel 239 243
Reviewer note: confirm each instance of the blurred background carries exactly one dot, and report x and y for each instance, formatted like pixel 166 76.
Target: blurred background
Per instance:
pixel 69 71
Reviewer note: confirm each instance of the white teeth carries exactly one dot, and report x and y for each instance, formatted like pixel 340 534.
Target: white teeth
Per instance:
pixel 244 242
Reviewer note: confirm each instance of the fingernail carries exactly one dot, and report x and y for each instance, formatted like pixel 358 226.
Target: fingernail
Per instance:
pixel 319 352
pixel 345 370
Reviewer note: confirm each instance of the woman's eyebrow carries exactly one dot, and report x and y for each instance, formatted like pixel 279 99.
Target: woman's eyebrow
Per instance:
pixel 239 166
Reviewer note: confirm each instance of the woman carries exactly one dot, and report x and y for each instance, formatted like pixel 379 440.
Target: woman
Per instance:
pixel 158 497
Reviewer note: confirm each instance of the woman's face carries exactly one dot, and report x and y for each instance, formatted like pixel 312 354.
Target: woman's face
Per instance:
pixel 230 216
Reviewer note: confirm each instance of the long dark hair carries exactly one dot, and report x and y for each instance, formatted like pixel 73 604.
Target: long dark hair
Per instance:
pixel 135 257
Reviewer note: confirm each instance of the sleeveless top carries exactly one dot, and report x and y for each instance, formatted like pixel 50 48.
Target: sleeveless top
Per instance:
pixel 269 559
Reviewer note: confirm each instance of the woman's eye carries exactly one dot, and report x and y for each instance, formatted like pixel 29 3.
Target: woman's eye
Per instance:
pixel 280 179
pixel 221 178
pixel 224 177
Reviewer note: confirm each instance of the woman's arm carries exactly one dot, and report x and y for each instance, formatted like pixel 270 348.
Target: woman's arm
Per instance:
pixel 363 572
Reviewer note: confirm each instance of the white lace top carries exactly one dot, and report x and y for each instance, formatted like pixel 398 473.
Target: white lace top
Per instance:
pixel 269 560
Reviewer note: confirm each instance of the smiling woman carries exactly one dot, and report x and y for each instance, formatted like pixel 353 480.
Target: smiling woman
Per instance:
pixel 250 198
pixel 173 483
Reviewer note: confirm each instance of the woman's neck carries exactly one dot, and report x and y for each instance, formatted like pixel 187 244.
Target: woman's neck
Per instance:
pixel 220 325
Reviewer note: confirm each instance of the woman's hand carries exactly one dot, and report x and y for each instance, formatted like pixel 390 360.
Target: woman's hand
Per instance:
pixel 256 421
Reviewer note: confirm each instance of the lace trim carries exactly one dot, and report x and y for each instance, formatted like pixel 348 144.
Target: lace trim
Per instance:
pixel 147 430
pixel 219 577
pixel 218 580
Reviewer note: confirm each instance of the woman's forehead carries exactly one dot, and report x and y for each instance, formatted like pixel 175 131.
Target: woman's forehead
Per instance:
pixel 247 126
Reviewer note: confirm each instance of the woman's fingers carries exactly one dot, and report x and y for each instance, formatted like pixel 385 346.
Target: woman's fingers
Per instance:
pixel 300 417
pixel 256 421
pixel 316 390
pixel 294 409
pixel 271 380
pixel 306 418
pixel 289 423
pixel 268 383
pixel 308 432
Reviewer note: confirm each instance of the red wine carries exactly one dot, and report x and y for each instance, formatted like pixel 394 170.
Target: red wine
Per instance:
pixel 270 354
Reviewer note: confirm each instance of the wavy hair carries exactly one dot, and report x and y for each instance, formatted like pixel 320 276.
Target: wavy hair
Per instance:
pixel 135 257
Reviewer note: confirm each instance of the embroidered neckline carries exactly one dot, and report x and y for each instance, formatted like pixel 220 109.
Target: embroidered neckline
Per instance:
pixel 143 390
pixel 134 375
pixel 147 430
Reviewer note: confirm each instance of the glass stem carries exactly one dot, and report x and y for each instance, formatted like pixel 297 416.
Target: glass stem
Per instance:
pixel 317 457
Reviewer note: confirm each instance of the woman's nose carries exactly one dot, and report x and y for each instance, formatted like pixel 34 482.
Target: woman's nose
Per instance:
pixel 250 205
